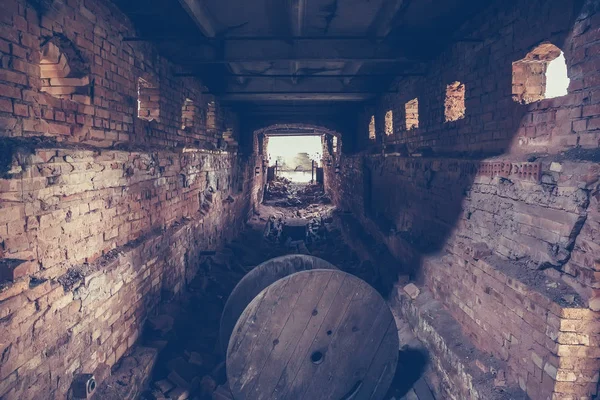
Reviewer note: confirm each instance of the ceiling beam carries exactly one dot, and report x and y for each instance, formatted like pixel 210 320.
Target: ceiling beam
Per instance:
pixel 246 97
pixel 295 95
pixel 197 10
pixel 280 38
pixel 297 13
pixel 200 15
pixel 380 27
pixel 306 76
pixel 296 51
pixel 257 59
pixel 302 92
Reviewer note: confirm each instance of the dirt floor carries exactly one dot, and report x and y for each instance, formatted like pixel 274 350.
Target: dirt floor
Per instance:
pixel 190 363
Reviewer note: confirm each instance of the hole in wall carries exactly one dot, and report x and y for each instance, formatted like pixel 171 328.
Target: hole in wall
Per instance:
pixel 412 114
pixel 557 80
pixel 293 156
pixel 148 100
pixel 541 74
pixel 188 114
pixel 211 115
pixel 455 102
pixel 389 123
pixel 63 72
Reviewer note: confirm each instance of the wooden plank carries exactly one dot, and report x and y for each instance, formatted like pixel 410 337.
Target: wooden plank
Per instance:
pixel 384 363
pixel 252 358
pixel 292 372
pixel 257 280
pixel 341 354
pixel 330 336
pixel 248 327
pixel 367 346
pixel 298 322
pixel 299 368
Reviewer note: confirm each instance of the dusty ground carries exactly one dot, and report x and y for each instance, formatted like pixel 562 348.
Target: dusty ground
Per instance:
pixel 190 363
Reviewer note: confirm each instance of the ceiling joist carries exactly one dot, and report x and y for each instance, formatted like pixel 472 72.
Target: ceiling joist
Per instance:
pixel 222 39
pixel 204 20
pixel 380 27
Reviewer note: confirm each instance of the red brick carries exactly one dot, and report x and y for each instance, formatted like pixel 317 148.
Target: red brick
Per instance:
pixel 10 91
pixel 593 124
pixel 6 105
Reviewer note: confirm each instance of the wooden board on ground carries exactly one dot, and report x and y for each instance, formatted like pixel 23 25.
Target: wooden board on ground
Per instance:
pixel 258 279
pixel 317 335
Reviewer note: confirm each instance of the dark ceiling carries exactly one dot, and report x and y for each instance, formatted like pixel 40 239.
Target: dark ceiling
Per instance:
pixel 288 57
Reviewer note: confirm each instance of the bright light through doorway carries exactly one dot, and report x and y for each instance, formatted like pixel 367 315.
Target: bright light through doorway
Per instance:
pixel 557 80
pixel 294 155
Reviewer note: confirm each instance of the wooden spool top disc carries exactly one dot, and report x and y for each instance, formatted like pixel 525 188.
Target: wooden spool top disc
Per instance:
pixel 259 279
pixel 319 334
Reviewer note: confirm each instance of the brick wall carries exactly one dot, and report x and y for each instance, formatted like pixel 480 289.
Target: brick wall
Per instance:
pixel 103 214
pixel 494 122
pixel 515 185
pixel 89 36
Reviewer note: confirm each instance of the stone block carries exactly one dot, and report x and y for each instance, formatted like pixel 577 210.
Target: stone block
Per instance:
pixel 13 269
pixel 179 393
pixel 412 290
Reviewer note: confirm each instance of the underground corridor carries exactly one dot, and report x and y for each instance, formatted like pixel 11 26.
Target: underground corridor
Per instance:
pixel 300 199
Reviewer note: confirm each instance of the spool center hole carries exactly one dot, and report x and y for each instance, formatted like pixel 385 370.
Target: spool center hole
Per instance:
pixel 316 357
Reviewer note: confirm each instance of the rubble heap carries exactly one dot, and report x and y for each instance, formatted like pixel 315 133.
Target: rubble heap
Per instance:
pixel 281 192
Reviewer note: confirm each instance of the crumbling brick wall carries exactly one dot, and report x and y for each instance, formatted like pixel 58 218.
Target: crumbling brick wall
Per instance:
pixel 494 211
pixel 102 214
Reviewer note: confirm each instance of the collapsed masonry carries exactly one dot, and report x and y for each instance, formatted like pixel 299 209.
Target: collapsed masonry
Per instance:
pixel 116 176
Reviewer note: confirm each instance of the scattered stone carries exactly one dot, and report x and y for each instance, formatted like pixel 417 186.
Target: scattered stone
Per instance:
pixel 595 304
pixel 162 323
pixel 158 395
pixel 177 379
pixel 295 229
pixel 222 393
pixel 183 373
pixel 569 298
pixel 208 384
pixel 130 377
pixel 412 290
pixel 102 373
pixel 556 167
pixel 411 395
pixel 164 385
pixel 480 250
pixel 195 358
pixel 179 393
pixel 500 379
pixel 481 366
pixel 219 373
pixel 157 344
pixel 551 370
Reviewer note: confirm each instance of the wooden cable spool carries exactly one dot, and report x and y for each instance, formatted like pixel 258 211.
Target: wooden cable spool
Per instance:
pixel 258 279
pixel 314 335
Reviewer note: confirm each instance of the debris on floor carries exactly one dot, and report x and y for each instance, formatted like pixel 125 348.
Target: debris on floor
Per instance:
pixel 129 376
pixel 190 364
pixel 281 192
